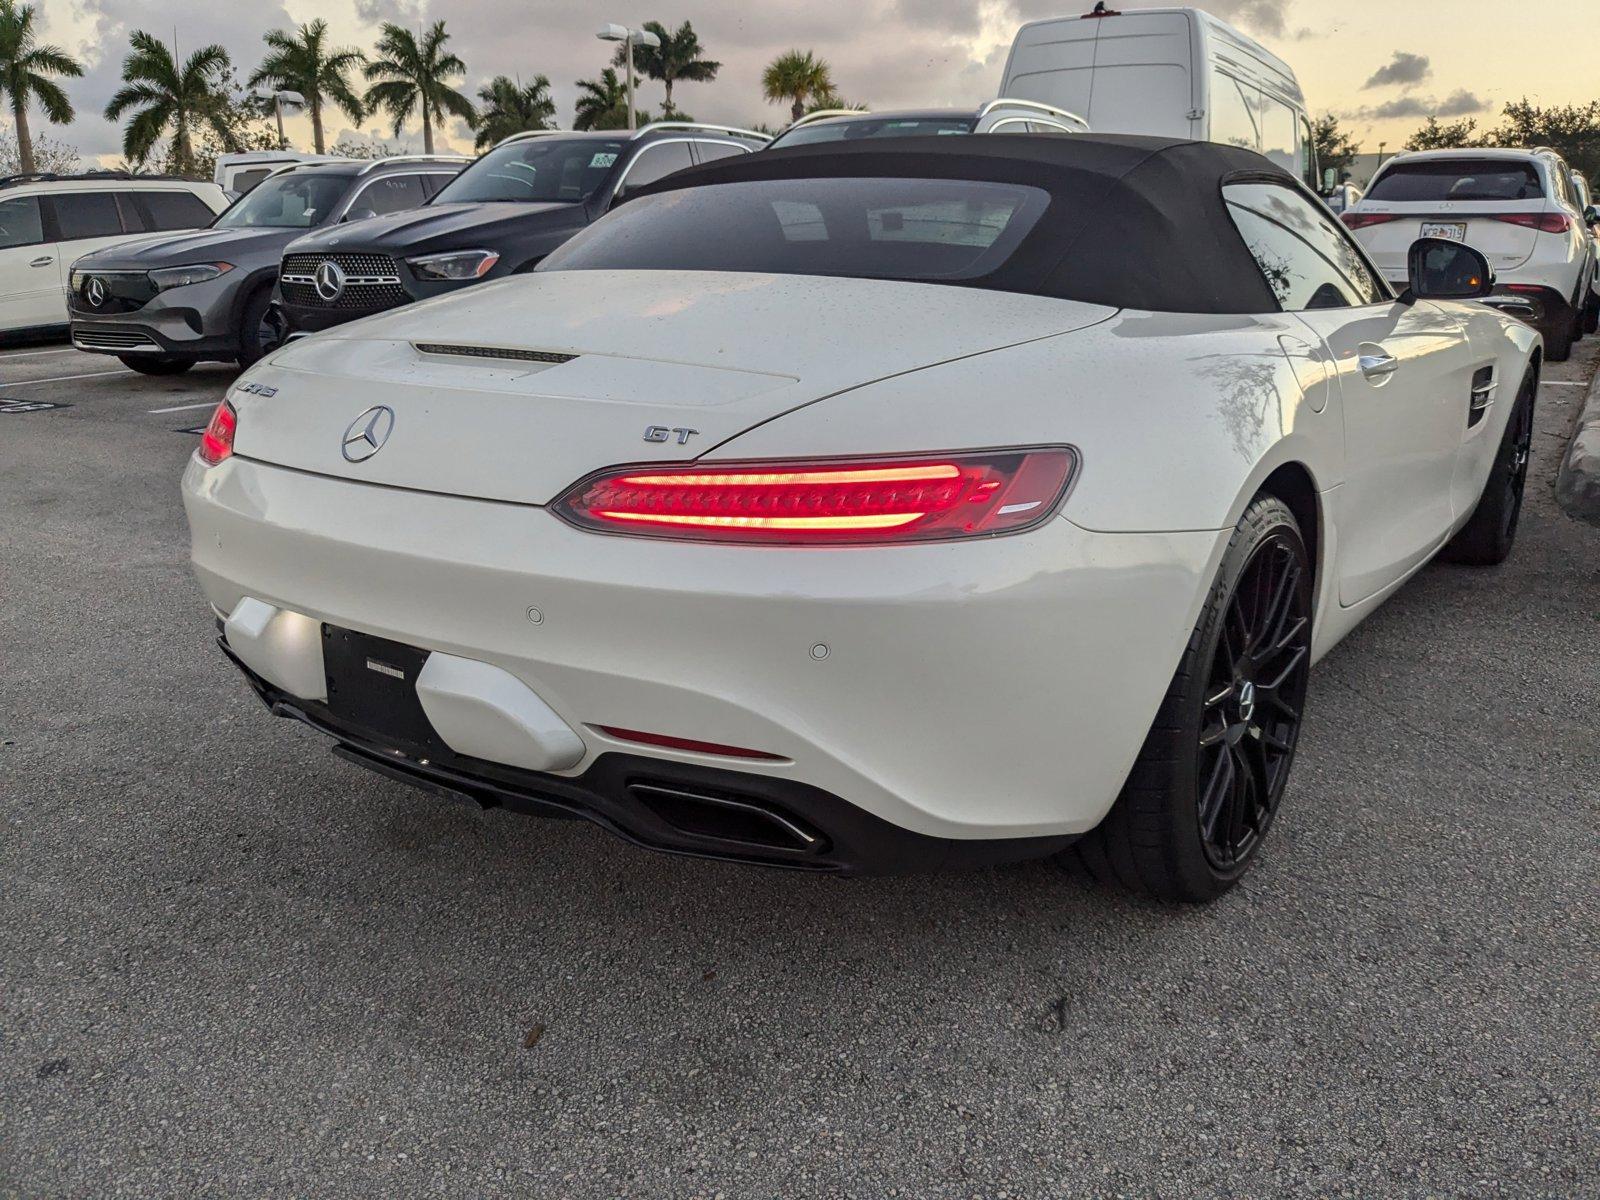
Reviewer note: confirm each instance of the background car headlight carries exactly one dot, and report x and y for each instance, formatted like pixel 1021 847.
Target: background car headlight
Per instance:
pixel 171 277
pixel 458 264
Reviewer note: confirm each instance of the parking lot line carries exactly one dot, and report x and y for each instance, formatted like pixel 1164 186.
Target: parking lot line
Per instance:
pixel 39 353
pixel 64 378
pixel 1562 383
pixel 184 407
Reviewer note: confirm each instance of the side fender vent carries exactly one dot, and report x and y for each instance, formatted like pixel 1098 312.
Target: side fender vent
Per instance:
pixel 501 352
pixel 1483 389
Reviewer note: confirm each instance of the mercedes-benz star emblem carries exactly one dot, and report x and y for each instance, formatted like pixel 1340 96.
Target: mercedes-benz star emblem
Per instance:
pixel 95 292
pixel 329 281
pixel 366 435
pixel 1247 700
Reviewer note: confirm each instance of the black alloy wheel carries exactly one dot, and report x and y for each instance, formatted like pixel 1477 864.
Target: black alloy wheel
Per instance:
pixel 1254 699
pixel 1208 781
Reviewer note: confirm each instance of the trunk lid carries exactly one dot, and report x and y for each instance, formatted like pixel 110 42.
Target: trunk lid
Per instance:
pixel 667 352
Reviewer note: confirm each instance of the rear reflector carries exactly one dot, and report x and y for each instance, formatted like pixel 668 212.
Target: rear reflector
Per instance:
pixel 1554 222
pixel 216 443
pixel 1360 220
pixel 678 743
pixel 839 502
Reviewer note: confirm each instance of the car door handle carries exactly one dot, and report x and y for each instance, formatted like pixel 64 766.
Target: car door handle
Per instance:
pixel 1376 366
pixel 42 262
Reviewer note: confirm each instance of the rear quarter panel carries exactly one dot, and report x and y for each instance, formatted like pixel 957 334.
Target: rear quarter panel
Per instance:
pixel 1177 417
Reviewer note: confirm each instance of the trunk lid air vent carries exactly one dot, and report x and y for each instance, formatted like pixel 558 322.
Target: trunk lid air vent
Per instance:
pixel 501 352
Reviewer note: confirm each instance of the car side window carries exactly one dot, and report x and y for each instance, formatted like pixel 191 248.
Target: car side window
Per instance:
pixel 654 162
pixel 393 193
pixel 86 215
pixel 21 222
pixel 433 181
pixel 173 210
pixel 1307 259
pixel 711 151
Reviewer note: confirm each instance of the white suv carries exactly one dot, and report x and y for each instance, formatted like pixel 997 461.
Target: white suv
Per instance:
pixel 46 221
pixel 1518 207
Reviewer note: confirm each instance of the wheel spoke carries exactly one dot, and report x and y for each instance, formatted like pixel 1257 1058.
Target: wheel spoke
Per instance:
pixel 1217 698
pixel 1219 787
pixel 1214 736
pixel 1289 669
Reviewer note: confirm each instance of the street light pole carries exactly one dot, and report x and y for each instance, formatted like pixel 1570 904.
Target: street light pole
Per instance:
pixel 629 38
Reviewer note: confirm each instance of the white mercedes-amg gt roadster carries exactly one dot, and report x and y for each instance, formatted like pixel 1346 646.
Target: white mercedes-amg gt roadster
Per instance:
pixel 873 507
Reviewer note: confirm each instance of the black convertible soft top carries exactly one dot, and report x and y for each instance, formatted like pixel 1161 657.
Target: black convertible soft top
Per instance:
pixel 1133 222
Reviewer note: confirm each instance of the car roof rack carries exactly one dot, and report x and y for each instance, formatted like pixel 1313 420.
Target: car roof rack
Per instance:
pixel 825 114
pixel 406 158
pixel 1033 106
pixel 702 125
pixel 54 177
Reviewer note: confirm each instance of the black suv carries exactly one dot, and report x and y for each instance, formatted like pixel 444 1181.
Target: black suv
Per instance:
pixel 499 217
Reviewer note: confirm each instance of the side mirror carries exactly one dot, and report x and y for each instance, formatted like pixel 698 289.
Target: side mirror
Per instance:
pixel 359 214
pixel 1443 270
pixel 1591 215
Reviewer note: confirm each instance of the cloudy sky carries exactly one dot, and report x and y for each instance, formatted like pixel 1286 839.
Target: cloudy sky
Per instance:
pixel 1383 65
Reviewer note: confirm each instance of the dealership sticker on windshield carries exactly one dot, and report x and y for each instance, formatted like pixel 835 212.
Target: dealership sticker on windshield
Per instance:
pixel 28 406
pixel 603 160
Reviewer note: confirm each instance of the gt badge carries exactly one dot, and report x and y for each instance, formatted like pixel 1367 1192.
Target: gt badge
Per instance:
pixel 661 433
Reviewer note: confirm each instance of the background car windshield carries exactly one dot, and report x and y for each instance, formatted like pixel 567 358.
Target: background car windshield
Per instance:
pixel 841 130
pixel 1458 179
pixel 541 169
pixel 286 202
pixel 914 229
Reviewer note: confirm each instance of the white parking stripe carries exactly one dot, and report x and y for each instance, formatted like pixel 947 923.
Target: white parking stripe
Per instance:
pixel 1562 383
pixel 37 353
pixel 63 379
pixel 184 407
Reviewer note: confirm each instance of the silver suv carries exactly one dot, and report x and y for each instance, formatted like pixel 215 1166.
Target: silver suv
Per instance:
pixel 163 304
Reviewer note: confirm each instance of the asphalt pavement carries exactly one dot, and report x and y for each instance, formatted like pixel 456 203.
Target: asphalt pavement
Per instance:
pixel 233 965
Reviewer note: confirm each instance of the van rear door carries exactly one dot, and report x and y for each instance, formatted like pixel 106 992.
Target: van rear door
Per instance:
pixel 1126 73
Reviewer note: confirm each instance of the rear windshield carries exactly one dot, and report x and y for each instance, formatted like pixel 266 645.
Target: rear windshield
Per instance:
pixel 1458 179
pixel 288 201
pixel 841 129
pixel 538 169
pixel 914 229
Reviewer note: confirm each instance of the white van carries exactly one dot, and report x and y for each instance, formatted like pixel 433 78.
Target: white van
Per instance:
pixel 1168 72
pixel 236 174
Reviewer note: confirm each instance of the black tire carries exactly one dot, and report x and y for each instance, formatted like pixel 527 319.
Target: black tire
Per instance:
pixel 1203 792
pixel 1591 314
pixel 1560 334
pixel 155 364
pixel 1487 537
pixel 257 334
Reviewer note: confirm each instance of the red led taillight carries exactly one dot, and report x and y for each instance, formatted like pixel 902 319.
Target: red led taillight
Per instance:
pixel 846 501
pixel 1552 222
pixel 216 443
pixel 1360 220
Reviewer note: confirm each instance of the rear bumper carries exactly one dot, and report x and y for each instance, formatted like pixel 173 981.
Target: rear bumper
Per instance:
pixel 674 808
pixel 997 689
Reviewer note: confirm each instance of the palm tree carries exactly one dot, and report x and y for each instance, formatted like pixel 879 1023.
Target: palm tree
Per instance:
pixel 799 77
pixel 172 97
pixel 302 62
pixel 412 74
pixel 678 57
pixel 603 103
pixel 509 108
pixel 25 68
